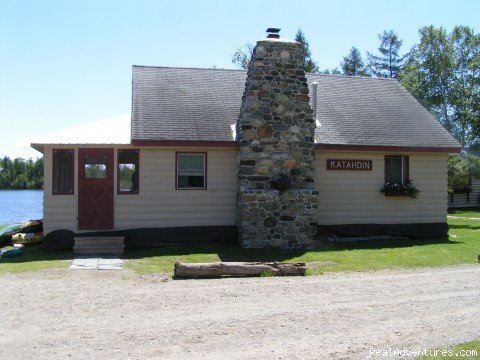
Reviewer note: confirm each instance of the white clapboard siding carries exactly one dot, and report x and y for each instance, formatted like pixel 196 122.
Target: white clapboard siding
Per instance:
pixel 353 197
pixel 59 211
pixel 462 201
pixel 160 205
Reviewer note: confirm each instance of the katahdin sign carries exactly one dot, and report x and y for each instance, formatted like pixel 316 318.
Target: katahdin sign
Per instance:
pixel 341 164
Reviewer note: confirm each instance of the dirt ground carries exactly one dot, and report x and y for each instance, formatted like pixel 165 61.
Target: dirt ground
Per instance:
pixel 91 314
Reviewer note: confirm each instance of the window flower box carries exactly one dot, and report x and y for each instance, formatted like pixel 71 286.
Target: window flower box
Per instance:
pixel 396 189
pixel 461 190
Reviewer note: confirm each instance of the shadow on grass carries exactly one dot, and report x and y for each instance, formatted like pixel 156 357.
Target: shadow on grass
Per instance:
pixel 473 210
pixel 468 226
pixel 35 253
pixel 236 253
pixel 232 252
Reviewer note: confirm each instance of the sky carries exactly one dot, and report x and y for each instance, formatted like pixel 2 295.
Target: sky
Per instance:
pixel 68 63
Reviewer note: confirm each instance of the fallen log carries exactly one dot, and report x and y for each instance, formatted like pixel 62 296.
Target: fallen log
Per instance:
pixel 217 269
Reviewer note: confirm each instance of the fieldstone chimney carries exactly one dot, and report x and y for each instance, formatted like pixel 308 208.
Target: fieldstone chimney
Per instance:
pixel 277 204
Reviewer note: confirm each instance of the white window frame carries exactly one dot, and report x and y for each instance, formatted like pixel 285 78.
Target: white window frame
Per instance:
pixel 203 155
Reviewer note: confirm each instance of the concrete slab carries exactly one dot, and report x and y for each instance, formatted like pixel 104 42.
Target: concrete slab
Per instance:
pixel 76 267
pixel 110 262
pixel 79 262
pixel 109 267
pixel 86 263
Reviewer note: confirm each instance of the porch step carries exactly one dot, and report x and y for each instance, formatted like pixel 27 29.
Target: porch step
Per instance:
pixel 88 245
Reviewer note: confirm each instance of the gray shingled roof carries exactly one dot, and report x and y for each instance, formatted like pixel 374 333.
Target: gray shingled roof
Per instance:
pixel 203 104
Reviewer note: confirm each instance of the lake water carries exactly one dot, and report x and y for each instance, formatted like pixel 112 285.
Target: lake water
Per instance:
pixel 19 206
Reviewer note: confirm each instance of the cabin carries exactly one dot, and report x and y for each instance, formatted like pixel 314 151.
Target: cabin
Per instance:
pixel 271 157
pixel 468 197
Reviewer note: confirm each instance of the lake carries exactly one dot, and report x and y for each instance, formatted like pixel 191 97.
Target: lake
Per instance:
pixel 19 206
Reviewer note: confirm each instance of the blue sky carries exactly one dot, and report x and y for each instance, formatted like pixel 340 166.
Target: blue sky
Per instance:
pixel 66 63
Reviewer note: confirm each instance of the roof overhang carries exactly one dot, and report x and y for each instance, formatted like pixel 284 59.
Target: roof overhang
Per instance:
pixel 380 148
pixel 195 143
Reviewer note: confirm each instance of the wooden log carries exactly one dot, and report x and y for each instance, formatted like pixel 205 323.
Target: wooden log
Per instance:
pixel 217 269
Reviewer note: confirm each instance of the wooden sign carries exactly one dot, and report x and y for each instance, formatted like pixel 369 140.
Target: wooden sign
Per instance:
pixel 342 164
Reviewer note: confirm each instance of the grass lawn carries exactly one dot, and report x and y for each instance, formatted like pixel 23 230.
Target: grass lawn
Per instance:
pixel 473 213
pixel 463 247
pixel 33 259
pixel 470 213
pixel 459 351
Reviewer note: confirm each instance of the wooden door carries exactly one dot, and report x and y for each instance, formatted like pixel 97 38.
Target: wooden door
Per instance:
pixel 95 189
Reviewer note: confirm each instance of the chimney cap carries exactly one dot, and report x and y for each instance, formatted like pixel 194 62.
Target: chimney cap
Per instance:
pixel 273 30
pixel 273 33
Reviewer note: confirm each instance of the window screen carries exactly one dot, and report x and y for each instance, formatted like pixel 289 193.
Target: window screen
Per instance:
pixel 63 161
pixel 396 169
pixel 191 171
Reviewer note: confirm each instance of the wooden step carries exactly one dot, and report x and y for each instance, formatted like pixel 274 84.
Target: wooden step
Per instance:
pixel 88 245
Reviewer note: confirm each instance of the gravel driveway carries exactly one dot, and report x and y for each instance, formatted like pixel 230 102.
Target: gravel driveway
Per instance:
pixel 59 314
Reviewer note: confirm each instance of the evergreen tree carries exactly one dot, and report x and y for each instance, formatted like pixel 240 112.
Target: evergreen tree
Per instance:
pixel 389 63
pixel 21 174
pixel 309 64
pixel 443 73
pixel 353 64
pixel 243 54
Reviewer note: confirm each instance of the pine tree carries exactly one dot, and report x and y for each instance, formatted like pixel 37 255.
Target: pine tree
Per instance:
pixel 389 63
pixel 353 64
pixel 309 64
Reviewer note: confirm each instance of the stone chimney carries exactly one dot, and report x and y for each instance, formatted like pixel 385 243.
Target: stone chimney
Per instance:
pixel 277 204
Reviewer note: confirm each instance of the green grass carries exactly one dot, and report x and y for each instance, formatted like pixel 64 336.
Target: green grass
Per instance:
pixel 463 247
pixel 34 259
pixel 457 351
pixel 470 213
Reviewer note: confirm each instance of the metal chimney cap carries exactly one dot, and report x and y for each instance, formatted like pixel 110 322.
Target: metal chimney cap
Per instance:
pixel 273 33
pixel 273 30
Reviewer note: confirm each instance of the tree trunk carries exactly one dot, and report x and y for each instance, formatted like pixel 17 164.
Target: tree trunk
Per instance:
pixel 237 269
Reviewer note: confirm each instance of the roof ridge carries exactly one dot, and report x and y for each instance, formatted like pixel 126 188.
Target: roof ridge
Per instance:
pixel 184 68
pixel 352 76
pixel 244 70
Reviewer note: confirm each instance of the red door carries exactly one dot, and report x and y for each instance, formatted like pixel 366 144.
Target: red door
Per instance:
pixel 95 189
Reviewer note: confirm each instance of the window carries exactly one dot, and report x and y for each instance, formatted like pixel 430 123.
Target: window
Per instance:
pixel 396 170
pixel 191 170
pixel 128 172
pixel 96 166
pixel 63 161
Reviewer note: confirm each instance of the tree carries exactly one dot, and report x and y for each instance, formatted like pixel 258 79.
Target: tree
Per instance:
pixel 443 74
pixel 309 64
pixel 461 168
pixel 389 63
pixel 465 95
pixel 353 64
pixel 242 56
pixel 21 174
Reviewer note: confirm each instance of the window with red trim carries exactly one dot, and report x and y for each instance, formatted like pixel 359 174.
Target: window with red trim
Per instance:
pixel 128 172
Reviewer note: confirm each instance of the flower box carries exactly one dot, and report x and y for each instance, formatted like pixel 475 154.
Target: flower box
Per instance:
pixel 403 190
